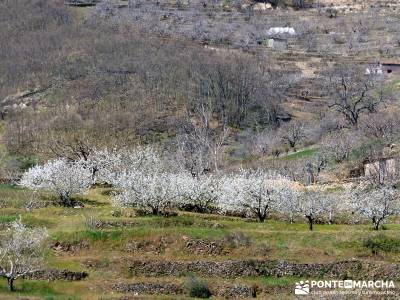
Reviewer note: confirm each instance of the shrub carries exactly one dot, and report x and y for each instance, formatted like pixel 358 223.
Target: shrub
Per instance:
pixel 197 288
pixel 382 242
pixel 92 222
pixel 237 239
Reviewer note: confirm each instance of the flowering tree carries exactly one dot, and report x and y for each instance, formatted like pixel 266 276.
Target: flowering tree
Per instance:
pixel 154 191
pixel 200 192
pixel 375 203
pixel 289 203
pixel 313 203
pixel 61 177
pixel 253 192
pixel 21 252
pixel 107 166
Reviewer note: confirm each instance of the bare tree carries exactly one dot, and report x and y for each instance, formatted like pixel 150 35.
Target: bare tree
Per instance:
pixel 293 133
pixel 339 144
pixel 383 125
pixel 352 93
pixel 299 4
pixel 200 146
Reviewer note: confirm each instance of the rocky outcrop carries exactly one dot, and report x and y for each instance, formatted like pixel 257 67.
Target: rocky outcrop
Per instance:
pixel 203 247
pixel 150 288
pixel 56 274
pixel 237 291
pixel 81 2
pixel 157 288
pixel 70 247
pixel 224 269
pixel 239 268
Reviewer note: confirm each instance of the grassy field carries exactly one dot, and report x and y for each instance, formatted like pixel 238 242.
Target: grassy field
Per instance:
pixel 95 235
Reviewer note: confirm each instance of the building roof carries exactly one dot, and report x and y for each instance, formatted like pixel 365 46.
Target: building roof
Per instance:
pixel 390 61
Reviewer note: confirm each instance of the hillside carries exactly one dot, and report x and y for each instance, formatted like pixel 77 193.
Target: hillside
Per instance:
pixel 128 254
pixel 186 148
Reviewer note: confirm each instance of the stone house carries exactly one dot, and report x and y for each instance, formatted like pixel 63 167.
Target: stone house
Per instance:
pixel 390 66
pixel 383 168
pixel 387 167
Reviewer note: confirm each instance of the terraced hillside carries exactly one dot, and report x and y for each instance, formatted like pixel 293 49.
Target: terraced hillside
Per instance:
pixel 125 254
pixel 303 94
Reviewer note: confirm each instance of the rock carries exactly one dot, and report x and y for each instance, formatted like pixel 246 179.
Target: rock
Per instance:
pixel 217 225
pixel 354 269
pixel 130 214
pixel 262 6
pixel 116 213
pixel 154 246
pixel 225 269
pixel 56 274
pixel 70 247
pixel 148 288
pixel 238 291
pixel 201 247
pixel 81 2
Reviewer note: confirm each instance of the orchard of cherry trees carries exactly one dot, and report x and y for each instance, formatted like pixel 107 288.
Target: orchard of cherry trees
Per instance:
pixel 145 180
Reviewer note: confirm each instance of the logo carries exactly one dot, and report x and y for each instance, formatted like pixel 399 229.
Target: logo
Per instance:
pixel 302 288
pixel 345 287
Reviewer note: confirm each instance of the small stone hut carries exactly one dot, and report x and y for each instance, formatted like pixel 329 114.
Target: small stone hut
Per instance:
pixel 391 66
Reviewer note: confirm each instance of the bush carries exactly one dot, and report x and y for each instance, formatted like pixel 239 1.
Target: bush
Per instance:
pixel 237 239
pixel 92 222
pixel 382 242
pixel 197 288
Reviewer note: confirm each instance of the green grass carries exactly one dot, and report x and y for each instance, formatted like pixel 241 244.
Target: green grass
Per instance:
pixel 279 281
pixel 8 218
pixel 43 289
pixel 382 242
pixel 13 196
pixel 165 238
pixel 301 154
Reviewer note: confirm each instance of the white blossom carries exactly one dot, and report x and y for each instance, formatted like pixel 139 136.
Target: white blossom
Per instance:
pixel 108 166
pixel 199 192
pixel 316 202
pixel 155 191
pixel 375 203
pixel 253 192
pixel 21 251
pixel 59 176
pixel 289 203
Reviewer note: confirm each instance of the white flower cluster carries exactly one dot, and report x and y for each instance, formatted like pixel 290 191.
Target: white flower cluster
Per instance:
pixel 21 251
pixel 108 166
pixel 375 203
pixel 201 192
pixel 60 176
pixel 255 193
pixel 145 181
pixel 281 30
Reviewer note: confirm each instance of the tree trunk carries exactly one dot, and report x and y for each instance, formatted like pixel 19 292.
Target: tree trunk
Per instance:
pixel 375 223
pixel 10 283
pixel 155 211
pixel 310 222
pixel 65 200
pixel 291 219
pixel 261 217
